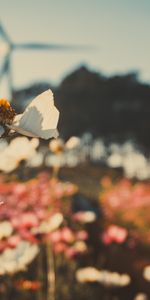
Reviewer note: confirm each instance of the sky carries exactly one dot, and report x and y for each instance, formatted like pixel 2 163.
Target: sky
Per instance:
pixel 117 31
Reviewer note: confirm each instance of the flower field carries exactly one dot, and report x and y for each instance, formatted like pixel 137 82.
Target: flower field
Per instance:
pixel 74 215
pixel 55 242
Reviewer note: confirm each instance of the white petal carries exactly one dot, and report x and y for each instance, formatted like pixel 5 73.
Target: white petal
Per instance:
pixel 45 135
pixel 39 119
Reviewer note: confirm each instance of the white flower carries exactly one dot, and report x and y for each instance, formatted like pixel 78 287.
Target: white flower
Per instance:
pixel 88 274
pixel 53 160
pixel 36 160
pixel 141 296
pixel 20 148
pixel 50 225
pixel 146 273
pixel 85 216
pixel 106 278
pixel 80 246
pixel 15 260
pixel 39 119
pixel 56 146
pixel 72 143
pixel 6 229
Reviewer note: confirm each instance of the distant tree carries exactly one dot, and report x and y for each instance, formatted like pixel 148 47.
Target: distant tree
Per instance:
pixel 108 106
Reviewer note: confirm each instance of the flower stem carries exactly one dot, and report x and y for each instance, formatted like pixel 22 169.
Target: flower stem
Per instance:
pixel 51 278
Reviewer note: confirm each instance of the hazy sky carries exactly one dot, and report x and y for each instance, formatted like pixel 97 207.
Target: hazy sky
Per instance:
pixel 119 30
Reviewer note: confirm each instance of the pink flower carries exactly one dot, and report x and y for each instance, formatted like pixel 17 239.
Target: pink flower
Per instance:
pixel 59 247
pixel 67 235
pixel 82 235
pixel 70 252
pixel 55 236
pixel 13 241
pixel 114 234
pixel 27 235
pixel 25 220
pixel 20 189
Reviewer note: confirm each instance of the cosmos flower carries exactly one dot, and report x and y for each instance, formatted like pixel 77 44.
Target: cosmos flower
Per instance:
pixel 36 160
pixel 114 234
pixel 73 143
pixel 87 274
pixel 63 154
pixel 56 146
pixel 141 296
pixel 106 278
pixel 80 247
pixel 59 145
pixel 39 119
pixel 49 225
pixel 25 220
pixel 146 273
pixel 82 235
pixel 20 148
pixel 13 241
pixel 5 229
pixel 17 259
pixel 84 216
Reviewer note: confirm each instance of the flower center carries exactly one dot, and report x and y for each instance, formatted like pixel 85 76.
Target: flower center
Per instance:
pixel 7 113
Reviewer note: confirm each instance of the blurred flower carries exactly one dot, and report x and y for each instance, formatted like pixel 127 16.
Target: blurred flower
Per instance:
pixel 55 161
pixel 20 148
pixel 55 237
pixel 6 229
pixel 127 205
pixel 25 220
pixel 17 259
pixel 13 241
pixel 39 119
pixel 70 252
pixel 84 216
pixel 115 279
pixel 67 235
pixel 73 143
pixel 27 235
pixel 107 278
pixel 59 247
pixel 114 234
pixel 56 146
pixel 33 212
pixel 82 235
pixel 80 247
pixel 141 296
pixel 146 273
pixel 49 225
pixel 63 154
pixel 25 284
pixel 88 274
pixel 36 160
